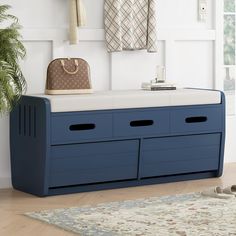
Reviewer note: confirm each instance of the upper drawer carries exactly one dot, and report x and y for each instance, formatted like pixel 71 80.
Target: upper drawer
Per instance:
pixel 140 123
pixel 76 127
pixel 195 120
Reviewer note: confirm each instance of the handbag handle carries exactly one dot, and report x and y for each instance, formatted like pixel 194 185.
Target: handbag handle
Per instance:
pixel 70 72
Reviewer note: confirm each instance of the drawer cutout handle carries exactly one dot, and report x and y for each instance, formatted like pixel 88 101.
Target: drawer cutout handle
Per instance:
pixel 196 119
pixel 81 127
pixel 140 123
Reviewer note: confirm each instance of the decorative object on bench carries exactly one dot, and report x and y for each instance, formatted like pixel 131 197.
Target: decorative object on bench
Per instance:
pixel 68 76
pixel 155 85
pixel 161 74
pixel 109 139
pixel 77 16
pixel 187 214
pixel 12 81
pixel 130 25
pixel 159 83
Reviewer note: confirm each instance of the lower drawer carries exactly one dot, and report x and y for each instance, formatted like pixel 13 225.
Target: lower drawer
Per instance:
pixel 179 155
pixel 93 163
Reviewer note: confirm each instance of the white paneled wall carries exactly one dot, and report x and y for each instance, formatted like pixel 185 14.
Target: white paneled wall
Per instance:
pixel 186 48
pixel 4 153
pixel 182 14
pixel 40 13
pixel 39 54
pixel 130 69
pixel 99 60
pixel 195 64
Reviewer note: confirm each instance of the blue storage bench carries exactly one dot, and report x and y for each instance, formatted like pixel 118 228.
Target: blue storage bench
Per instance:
pixel 67 144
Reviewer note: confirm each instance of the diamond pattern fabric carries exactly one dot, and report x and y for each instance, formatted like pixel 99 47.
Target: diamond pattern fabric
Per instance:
pixel 130 25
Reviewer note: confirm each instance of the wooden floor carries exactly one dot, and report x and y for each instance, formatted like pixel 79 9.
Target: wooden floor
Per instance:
pixel 13 203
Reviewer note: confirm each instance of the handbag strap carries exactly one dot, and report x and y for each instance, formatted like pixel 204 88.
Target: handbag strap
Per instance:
pixel 70 72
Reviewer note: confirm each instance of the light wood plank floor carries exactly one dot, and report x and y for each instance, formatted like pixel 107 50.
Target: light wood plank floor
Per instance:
pixel 14 203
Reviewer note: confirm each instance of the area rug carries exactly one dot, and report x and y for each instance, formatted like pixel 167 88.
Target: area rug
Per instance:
pixel 179 215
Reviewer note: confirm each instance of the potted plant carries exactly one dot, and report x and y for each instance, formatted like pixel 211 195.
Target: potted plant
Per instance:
pixel 12 81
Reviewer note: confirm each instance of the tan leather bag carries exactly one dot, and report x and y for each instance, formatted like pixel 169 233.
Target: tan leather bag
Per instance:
pixel 68 76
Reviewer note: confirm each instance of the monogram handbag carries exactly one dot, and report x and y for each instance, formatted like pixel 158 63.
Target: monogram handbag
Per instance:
pixel 68 76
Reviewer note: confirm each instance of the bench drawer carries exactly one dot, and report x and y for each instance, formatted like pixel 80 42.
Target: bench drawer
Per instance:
pixel 195 120
pixel 141 123
pixel 179 155
pixel 76 127
pixel 93 163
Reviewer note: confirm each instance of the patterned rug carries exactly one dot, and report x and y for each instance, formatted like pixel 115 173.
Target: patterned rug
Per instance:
pixel 180 215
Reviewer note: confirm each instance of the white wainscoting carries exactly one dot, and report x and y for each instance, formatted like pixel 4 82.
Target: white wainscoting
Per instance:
pixel 129 69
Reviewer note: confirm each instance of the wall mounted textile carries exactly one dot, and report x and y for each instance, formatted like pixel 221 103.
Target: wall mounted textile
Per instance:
pixel 130 25
pixel 77 16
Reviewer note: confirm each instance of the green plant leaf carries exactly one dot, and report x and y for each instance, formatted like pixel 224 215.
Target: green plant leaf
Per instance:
pixel 12 81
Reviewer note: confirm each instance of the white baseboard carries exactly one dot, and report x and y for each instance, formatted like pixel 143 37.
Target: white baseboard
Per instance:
pixel 5 182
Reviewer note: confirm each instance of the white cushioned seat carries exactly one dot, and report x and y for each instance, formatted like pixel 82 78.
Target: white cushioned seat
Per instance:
pixel 106 100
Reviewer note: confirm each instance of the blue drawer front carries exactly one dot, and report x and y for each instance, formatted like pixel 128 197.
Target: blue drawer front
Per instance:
pixel 195 120
pixel 73 128
pixel 93 162
pixel 141 123
pixel 179 155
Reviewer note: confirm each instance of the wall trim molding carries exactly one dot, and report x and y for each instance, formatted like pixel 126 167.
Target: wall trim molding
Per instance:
pixel 51 34
pixel 219 43
pixel 5 182
pixel 59 37
pixel 185 35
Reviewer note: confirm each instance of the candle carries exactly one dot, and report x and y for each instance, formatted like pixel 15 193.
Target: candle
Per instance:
pixel 161 75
